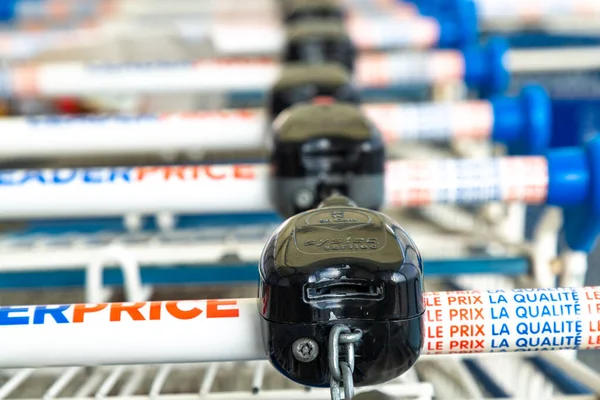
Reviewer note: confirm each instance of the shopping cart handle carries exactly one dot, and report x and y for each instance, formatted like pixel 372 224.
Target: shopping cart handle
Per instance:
pixel 574 169
pixel 523 122
pixel 485 67
pixel 461 28
pixel 8 10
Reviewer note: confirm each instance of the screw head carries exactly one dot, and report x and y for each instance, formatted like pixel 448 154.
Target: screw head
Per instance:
pixel 304 198
pixel 305 350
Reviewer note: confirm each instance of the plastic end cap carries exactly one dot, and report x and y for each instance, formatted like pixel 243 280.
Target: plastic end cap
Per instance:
pixel 485 67
pixel 582 223
pixel 496 50
pixel 8 10
pixel 536 135
pixel 428 8
pixel 461 29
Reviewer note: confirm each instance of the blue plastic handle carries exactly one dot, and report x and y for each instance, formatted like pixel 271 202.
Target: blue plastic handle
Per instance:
pixel 8 9
pixel 459 27
pixel 574 185
pixel 523 122
pixel 485 67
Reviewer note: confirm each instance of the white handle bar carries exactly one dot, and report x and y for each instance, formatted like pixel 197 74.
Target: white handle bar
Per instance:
pixel 229 330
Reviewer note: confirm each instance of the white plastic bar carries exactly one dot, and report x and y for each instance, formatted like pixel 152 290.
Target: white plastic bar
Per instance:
pixel 132 9
pixel 366 32
pixel 554 59
pixel 117 191
pixel 151 8
pixel 185 251
pixel 227 35
pixel 250 74
pixel 216 75
pixel 63 380
pixel 526 11
pixel 229 330
pixel 159 380
pixel 516 10
pixel 63 136
pixel 133 382
pixel 537 10
pixel 14 382
pixel 209 378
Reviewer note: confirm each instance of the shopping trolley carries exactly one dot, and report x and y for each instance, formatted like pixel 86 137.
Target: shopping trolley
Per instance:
pixel 68 376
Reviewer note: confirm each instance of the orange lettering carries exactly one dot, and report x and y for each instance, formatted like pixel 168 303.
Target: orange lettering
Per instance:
pixel 212 309
pixel 246 114
pixel 116 310
pixel 211 175
pixel 143 171
pixel 592 296
pixel 243 172
pixel 178 313
pixel 178 171
pixel 155 310
pixel 432 301
pixel 81 309
pixel 435 346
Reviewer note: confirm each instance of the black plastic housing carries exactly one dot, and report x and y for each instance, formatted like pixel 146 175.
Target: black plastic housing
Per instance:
pixel 342 264
pixel 319 41
pixel 322 149
pixel 305 83
pixel 293 11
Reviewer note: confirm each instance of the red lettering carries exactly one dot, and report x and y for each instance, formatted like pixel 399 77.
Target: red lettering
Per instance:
pixel 592 295
pixel 466 330
pixel 79 310
pixel 594 340
pixel 433 315
pixel 435 346
pixel 245 114
pixel 466 344
pixel 431 301
pixel 178 171
pixel 222 114
pixel 464 300
pixel 466 314
pixel 235 62
pixel 211 175
pixel 213 311
pixel 173 309
pixel 143 171
pixel 155 308
pixel 243 172
pixel 435 332
pixel 117 309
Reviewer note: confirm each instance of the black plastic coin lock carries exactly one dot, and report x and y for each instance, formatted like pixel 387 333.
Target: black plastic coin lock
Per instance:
pixel 321 149
pixel 317 42
pixel 305 83
pixel 341 264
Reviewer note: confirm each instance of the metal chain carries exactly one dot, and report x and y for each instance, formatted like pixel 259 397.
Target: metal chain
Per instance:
pixel 341 367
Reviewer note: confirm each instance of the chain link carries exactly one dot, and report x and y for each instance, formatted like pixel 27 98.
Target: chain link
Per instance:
pixel 341 367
